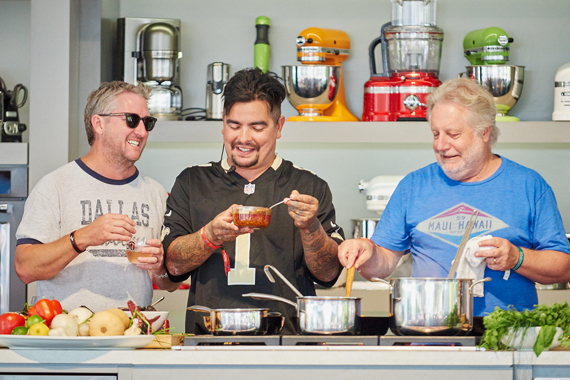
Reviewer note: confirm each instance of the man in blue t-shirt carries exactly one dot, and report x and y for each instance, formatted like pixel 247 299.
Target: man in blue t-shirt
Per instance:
pixel 429 211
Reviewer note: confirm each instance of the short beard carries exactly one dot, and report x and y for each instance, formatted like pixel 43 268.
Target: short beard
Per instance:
pixel 248 165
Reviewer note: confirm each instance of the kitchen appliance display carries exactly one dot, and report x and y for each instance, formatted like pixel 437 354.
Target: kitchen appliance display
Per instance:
pixel 218 76
pixel 13 193
pixel 10 101
pixel 411 54
pixel 316 88
pixel 562 94
pixel 148 51
pixel 488 50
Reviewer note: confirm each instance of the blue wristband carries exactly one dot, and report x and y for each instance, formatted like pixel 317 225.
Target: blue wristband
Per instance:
pixel 521 259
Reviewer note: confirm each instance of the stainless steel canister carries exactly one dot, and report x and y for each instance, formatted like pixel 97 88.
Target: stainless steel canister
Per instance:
pixel 218 76
pixel 363 227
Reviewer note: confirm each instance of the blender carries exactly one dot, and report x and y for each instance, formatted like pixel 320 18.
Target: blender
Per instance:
pixel 148 51
pixel 411 55
pixel 316 88
pixel 488 50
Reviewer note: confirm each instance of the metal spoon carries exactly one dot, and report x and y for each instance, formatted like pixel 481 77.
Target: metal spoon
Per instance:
pixel 278 203
pixel 157 301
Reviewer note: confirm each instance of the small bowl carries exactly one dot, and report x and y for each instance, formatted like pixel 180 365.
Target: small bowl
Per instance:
pixel 525 341
pixel 156 325
pixel 251 216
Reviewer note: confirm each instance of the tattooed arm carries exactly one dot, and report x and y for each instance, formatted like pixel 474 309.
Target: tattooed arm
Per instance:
pixel 188 252
pixel 321 251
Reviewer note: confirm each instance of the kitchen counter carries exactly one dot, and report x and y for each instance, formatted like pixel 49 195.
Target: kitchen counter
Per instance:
pixel 256 362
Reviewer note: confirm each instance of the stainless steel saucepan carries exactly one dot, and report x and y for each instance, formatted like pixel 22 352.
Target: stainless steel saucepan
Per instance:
pixel 234 321
pixel 431 306
pixel 319 315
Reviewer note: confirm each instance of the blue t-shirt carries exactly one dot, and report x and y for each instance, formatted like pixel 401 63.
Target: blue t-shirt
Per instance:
pixel 428 214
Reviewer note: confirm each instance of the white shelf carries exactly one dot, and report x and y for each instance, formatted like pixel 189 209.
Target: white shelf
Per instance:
pixel 526 132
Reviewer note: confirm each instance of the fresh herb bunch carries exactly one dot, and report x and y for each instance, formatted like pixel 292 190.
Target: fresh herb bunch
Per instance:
pixel 500 322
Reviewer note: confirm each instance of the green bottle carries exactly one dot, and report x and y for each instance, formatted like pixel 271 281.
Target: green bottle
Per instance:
pixel 261 47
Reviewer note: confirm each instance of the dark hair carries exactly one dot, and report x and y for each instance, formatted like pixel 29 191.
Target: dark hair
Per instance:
pixel 252 84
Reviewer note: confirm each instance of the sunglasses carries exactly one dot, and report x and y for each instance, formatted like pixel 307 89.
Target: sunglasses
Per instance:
pixel 133 120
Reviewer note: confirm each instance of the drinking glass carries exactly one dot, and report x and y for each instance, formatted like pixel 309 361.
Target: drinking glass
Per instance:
pixel 137 242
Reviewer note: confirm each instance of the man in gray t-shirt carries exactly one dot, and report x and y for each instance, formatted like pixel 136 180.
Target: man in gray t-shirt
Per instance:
pixel 79 218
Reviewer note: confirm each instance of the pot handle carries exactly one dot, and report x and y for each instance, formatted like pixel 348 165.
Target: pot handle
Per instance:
pixel 270 277
pixel 198 308
pixel 269 297
pixel 376 279
pixel 486 279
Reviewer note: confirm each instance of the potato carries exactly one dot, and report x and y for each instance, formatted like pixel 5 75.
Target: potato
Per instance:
pixel 106 323
pixel 121 314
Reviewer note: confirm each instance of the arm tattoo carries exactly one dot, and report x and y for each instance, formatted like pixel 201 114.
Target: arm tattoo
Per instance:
pixel 321 253
pixel 187 253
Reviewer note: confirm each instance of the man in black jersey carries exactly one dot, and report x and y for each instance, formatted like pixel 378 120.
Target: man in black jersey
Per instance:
pixel 302 238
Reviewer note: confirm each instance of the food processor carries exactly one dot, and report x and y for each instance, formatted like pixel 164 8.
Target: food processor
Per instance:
pixel 316 88
pixel 488 50
pixel 562 94
pixel 411 55
pixel 148 51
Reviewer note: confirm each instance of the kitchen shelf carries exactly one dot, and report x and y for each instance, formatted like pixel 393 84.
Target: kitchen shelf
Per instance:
pixel 525 132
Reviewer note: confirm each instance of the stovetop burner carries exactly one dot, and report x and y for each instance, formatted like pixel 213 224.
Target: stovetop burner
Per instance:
pixel 250 340
pixel 393 340
pixel 328 340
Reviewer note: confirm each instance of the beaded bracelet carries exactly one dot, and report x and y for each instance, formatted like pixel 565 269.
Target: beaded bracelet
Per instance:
pixel 521 259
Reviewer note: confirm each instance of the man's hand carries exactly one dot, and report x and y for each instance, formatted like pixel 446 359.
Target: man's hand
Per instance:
pixel 107 227
pixel 221 229
pixel 503 256
pixel 355 252
pixel 303 209
pixel 154 263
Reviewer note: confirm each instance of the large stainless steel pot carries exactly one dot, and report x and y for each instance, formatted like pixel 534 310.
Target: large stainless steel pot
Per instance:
pixel 235 321
pixel 431 306
pixel 322 315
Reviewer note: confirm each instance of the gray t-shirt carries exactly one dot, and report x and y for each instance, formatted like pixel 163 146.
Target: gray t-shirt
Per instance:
pixel 70 198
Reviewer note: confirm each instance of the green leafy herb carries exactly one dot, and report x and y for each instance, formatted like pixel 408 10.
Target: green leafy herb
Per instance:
pixel 500 323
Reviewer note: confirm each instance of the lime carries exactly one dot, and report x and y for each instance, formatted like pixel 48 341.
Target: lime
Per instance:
pixel 20 330
pixel 33 320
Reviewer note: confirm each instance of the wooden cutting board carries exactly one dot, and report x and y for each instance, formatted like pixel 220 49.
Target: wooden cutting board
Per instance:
pixel 166 341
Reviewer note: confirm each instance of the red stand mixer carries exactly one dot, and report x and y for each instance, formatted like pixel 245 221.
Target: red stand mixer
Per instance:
pixel 411 54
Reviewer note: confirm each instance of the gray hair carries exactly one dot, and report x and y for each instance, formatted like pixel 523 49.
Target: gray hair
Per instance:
pixel 100 100
pixel 471 95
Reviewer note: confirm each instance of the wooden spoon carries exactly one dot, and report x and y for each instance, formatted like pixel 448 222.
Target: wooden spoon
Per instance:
pixel 349 280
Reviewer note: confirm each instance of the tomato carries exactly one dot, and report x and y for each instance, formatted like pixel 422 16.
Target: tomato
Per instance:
pixel 32 320
pixel 48 309
pixel 9 321
pixel 32 311
pixel 20 330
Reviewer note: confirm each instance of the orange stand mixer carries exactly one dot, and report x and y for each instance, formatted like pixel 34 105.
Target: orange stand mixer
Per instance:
pixel 316 88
